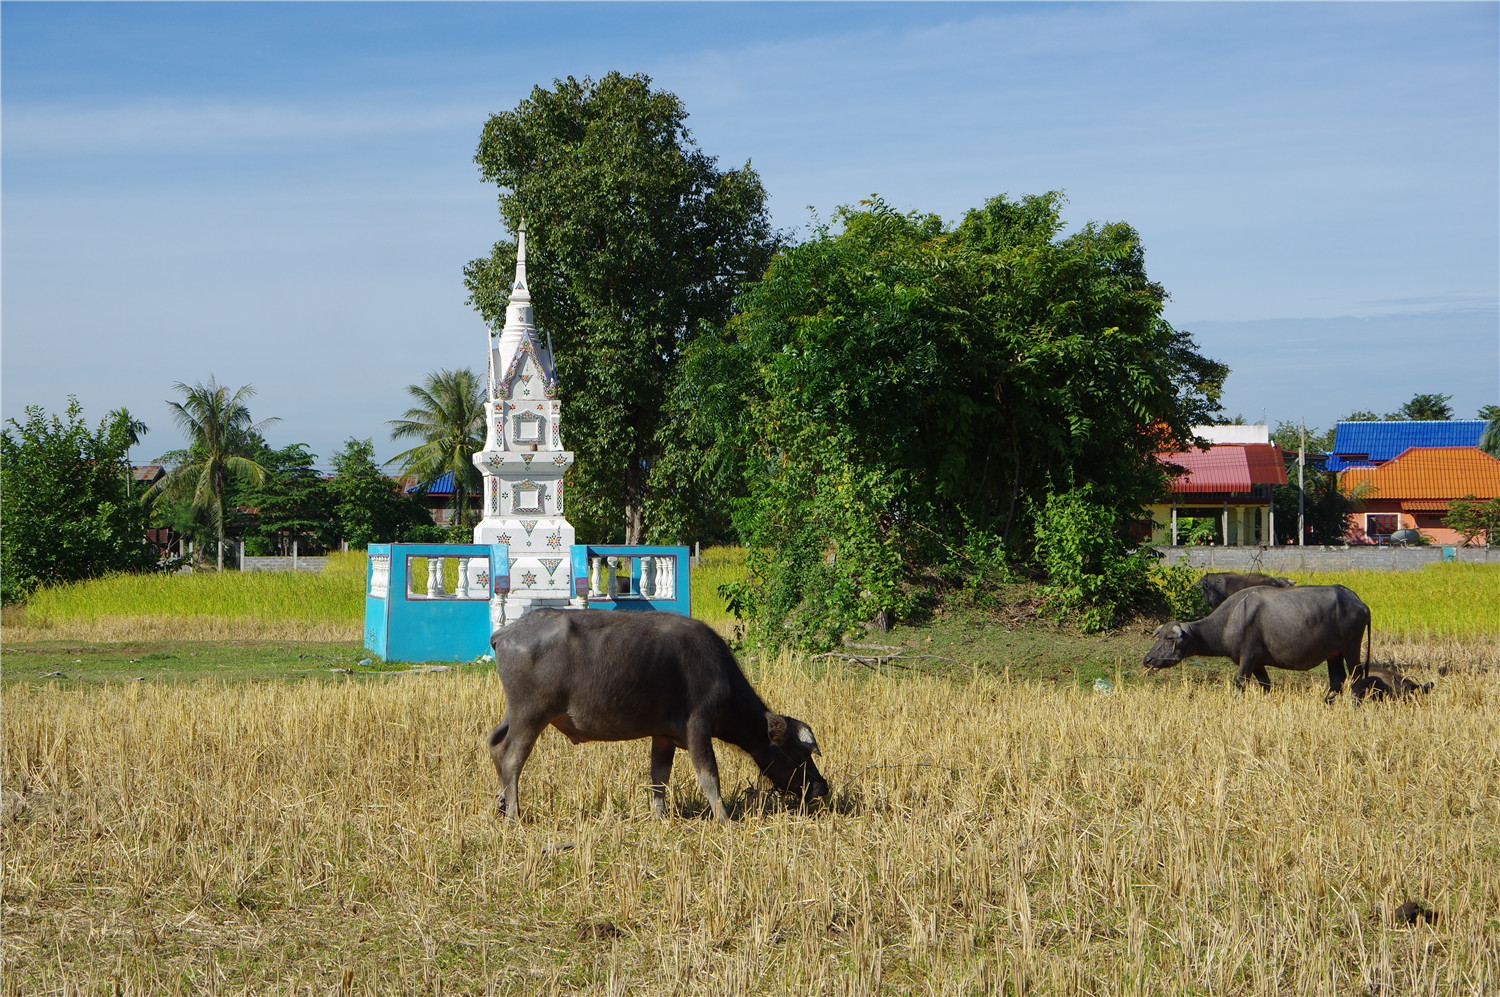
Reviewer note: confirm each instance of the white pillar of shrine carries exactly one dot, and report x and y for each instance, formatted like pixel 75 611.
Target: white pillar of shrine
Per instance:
pixel 523 462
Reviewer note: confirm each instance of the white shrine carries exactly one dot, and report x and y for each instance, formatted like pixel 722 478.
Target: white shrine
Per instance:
pixel 523 462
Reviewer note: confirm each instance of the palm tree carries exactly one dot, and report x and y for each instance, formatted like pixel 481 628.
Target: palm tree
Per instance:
pixel 130 430
pixel 1489 440
pixel 218 428
pixel 449 420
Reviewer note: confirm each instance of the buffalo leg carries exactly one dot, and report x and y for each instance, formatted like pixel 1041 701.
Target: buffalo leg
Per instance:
pixel 495 742
pixel 1335 677
pixel 701 750
pixel 1248 670
pixel 510 746
pixel 662 751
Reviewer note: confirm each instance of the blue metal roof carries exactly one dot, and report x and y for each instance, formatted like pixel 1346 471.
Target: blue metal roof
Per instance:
pixel 1360 444
pixel 441 485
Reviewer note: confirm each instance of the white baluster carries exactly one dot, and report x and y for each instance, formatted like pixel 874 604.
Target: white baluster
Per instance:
pixel 668 584
pixel 648 577
pixel 461 586
pixel 434 577
pixel 594 588
pixel 611 583
pixel 380 577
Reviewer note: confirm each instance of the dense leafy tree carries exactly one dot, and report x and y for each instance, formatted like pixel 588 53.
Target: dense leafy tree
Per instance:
pixel 219 430
pixel 635 238
pixel 898 389
pixel 449 420
pixel 1288 435
pixel 1429 407
pixel 65 501
pixel 291 503
pixel 1420 407
pixel 368 506
pixel 1325 507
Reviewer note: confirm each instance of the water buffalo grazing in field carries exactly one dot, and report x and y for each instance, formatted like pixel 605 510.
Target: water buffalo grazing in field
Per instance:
pixel 1217 586
pixel 1380 682
pixel 1264 627
pixel 597 675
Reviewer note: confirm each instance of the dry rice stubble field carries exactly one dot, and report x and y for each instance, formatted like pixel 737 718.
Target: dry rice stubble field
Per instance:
pixel 987 837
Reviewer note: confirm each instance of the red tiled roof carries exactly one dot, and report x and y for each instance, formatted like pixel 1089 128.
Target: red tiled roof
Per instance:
pixel 1228 467
pixel 1431 473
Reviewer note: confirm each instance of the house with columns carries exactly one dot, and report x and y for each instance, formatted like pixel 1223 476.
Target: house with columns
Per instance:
pixel 1228 483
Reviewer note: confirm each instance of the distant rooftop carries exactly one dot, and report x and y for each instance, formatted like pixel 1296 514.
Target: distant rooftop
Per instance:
pixel 1227 467
pixel 1364 444
pixel 1428 477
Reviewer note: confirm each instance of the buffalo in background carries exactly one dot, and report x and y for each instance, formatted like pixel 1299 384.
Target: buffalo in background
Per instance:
pixel 1271 627
pixel 1216 586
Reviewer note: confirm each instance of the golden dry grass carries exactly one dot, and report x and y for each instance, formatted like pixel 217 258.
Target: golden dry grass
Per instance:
pixel 987 837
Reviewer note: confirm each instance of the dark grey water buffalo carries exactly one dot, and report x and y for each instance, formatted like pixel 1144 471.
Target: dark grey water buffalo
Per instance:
pixel 616 676
pixel 1381 682
pixel 1264 627
pixel 1217 586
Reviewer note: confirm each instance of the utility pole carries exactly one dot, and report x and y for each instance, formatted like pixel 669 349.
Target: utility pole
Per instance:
pixel 1301 495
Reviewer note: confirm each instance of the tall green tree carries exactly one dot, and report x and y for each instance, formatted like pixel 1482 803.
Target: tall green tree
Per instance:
pixel 901 390
pixel 1426 407
pixel 219 431
pixel 131 431
pixel 292 503
pixel 635 240
pixel 65 501
pixel 1289 436
pixel 368 507
pixel 449 420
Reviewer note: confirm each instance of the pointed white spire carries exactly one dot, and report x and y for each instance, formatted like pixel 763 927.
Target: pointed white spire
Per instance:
pixel 519 287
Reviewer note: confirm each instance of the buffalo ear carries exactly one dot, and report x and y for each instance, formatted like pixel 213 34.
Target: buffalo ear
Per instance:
pixel 1428 687
pixel 776 728
pixel 1176 630
pixel 806 739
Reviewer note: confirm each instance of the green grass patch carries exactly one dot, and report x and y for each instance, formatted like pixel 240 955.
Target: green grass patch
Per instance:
pixel 1452 599
pixel 88 663
pixel 334 595
pixel 716 566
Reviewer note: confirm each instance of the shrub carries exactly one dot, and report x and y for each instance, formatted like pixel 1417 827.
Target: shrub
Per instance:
pixel 1080 543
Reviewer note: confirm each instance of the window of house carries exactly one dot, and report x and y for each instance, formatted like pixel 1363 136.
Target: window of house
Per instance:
pixel 1380 526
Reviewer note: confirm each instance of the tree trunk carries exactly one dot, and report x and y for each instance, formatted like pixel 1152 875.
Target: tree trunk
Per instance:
pixel 635 513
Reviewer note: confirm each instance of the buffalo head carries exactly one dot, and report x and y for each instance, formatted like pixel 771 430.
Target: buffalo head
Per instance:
pixel 1167 651
pixel 788 763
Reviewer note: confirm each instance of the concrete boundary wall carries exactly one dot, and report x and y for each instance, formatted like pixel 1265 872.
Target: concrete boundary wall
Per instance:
pixel 313 564
pixel 1280 560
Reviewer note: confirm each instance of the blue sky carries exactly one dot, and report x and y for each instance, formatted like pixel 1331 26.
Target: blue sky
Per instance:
pixel 284 194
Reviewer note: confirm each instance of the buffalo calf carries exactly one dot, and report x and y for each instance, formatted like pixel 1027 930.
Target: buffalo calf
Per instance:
pixel 1380 682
